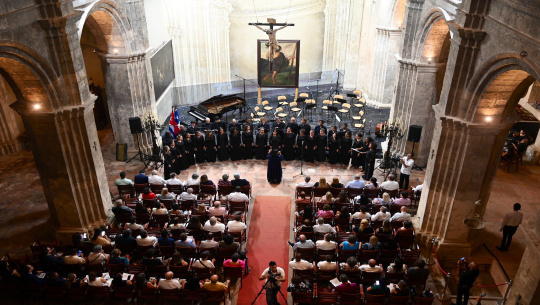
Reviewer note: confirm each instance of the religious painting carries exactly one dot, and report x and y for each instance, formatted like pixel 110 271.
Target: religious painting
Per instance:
pixel 162 69
pixel 280 70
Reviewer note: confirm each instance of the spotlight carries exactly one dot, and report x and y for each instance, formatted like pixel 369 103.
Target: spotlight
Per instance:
pixel 37 106
pixel 115 51
pixel 488 119
pixel 429 60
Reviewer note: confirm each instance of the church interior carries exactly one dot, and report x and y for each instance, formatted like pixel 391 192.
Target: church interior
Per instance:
pixel 91 90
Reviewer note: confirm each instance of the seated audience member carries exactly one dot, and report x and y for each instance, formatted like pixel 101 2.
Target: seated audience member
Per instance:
pixel 145 240
pixel 302 242
pixel 386 228
pixel 346 286
pixel 74 282
pixel 364 228
pixel 305 227
pixel 327 264
pixel 390 244
pixel 165 194
pixel 98 239
pixel 169 283
pixel 236 225
pixel 343 198
pixel 372 183
pixel 371 266
pixel 307 212
pixel 237 181
pixel 73 258
pixel 322 227
pixel 234 261
pixel 298 285
pixel 396 267
pixel 336 184
pixel 27 275
pixel 117 259
pixel 177 260
pixel 54 280
pixel 175 223
pixel 509 152
pixel 391 184
pixel 362 199
pixel 237 195
pixel 299 264
pixel 194 180
pixel 175 211
pixel 356 183
pixel 147 194
pixel 521 146
pixel 49 261
pixel 183 242
pixel 403 200
pixel 173 180
pixel 141 209
pixel 418 188
pixel 192 282
pixel 188 195
pixel 419 271
pixel 141 178
pixel 159 209
pixel 224 181
pixel 326 199
pixel 206 181
pixel 401 289
pixel 378 289
pixel 214 285
pixel 209 242
pixel 228 242
pixel 126 240
pixel 97 256
pixel 363 214
pixel 119 282
pixel 165 240
pixel 305 183
pixel 94 280
pixel 326 212
pixel 407 229
pixel 343 213
pixel 123 180
pixel 203 262
pixel 201 212
pixel 141 282
pixel 194 224
pixel 350 265
pixel 382 215
pixel 217 209
pixel 401 216
pixel 385 200
pixel 327 243
pixel 351 244
pixel 120 208
pixel 156 179
pixel 321 183
pixel 373 244
pixel 150 258
pixel 213 225
pixel 133 226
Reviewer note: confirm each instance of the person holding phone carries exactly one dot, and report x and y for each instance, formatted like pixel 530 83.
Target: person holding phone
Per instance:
pixel 468 272
pixel 74 257
pixel 99 238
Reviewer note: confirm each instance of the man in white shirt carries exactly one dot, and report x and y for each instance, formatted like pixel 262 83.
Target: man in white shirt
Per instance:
pixel 371 266
pixel 168 282
pixel 123 180
pixel 406 166
pixel 326 243
pixel 327 264
pixel 145 240
pixel 382 215
pixel 357 183
pixel 306 182
pixel 509 226
pixel 236 225
pixel 237 195
pixel 299 264
pixel 323 227
pixel 73 258
pixel 173 180
pixel 155 178
pixel 363 214
pixel 204 262
pixel 217 209
pixel 212 225
pixel 401 216
pixel 209 242
pixel 391 184
pixel 418 188
pixel 194 180
pixel 273 287
pixel 188 195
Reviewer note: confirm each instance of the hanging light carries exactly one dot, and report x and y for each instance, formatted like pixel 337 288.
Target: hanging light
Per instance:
pixel 473 220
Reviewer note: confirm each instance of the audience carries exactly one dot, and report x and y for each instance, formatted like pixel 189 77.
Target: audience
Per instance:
pixel 306 182
pixel 382 215
pixel 373 244
pixel 299 264
pixel 174 181
pixel 156 179
pixel 385 200
pixel 403 200
pixel 346 286
pixel 213 225
pixel 327 264
pixel 141 178
pixel 237 195
pixel 165 194
pixel 144 240
pixel 123 180
pixel 391 184
pixel 217 209
pixel 165 240
pixel 237 181
pixel 402 215
pixel 224 181
pixel 183 242
pixel 194 180
pixel 371 266
pixel 357 182
pixel 188 195
pixel 236 225
pixel 168 282
pixel 302 242
pixel 322 227
pixel 327 243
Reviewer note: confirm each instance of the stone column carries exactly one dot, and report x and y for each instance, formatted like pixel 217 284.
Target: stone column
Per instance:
pixel 353 44
pixel 384 74
pixel 410 25
pixel 10 125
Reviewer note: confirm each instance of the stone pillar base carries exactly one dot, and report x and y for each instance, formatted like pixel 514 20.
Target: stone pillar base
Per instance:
pixel 64 234
pixel 449 253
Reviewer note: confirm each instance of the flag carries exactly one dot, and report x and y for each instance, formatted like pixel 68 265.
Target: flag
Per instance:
pixel 177 119
pixel 173 125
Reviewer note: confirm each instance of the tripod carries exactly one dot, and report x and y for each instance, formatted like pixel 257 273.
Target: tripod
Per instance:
pixel 263 288
pixel 301 161
pixel 412 152
pixel 335 91
pixel 140 153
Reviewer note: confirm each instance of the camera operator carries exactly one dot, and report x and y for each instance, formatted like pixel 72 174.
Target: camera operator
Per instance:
pixel 405 173
pixel 274 275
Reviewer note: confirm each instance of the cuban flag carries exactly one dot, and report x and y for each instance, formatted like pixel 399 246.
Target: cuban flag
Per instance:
pixel 173 122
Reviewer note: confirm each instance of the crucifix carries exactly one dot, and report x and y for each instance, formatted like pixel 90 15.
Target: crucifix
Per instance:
pixel 272 43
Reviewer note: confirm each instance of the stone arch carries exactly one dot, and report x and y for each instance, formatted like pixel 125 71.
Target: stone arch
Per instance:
pixel 398 14
pixel 431 35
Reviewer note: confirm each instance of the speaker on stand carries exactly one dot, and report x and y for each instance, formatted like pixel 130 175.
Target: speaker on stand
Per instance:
pixel 135 126
pixel 415 132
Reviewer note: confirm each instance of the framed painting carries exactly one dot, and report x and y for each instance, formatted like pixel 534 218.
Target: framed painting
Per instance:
pixel 162 63
pixel 283 69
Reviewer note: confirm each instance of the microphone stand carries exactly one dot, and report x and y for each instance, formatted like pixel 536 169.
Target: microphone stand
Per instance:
pixel 301 161
pixel 248 108
pixel 335 91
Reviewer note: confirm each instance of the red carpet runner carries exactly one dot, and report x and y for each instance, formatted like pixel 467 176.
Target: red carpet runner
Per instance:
pixel 269 232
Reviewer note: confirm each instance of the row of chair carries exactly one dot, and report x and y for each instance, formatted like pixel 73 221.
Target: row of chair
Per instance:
pixel 357 299
pixel 200 190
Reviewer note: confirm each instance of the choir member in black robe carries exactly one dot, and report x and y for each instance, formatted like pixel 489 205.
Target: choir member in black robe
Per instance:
pixel 333 130
pixel 223 145
pixel 235 125
pixel 199 147
pixel 190 153
pixel 333 149
pixel 370 161
pixel 279 126
pixel 310 147
pixel 247 124
pixel 300 140
pixel 181 161
pixel 192 129
pixel 264 125
pixel 357 155
pixel 219 124
pixel 345 145
pixel 288 145
pixel 293 126
pixel 207 125
pixel 305 126
pixel 322 146
pixel 236 140
pixel 210 147
pixel 261 141
pixel 275 141
pixel 275 171
pixel 168 162
pixel 174 156
pixel 167 139
pixel 247 143
pixel 343 131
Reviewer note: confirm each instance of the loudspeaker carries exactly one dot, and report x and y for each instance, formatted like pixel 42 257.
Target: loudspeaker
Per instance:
pixel 121 152
pixel 414 133
pixel 135 125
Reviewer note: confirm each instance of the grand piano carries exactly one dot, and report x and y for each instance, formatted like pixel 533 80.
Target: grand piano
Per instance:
pixel 217 106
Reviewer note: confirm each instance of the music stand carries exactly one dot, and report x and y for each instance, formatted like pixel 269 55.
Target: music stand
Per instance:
pixel 331 108
pixel 303 101
pixel 341 100
pixel 308 107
